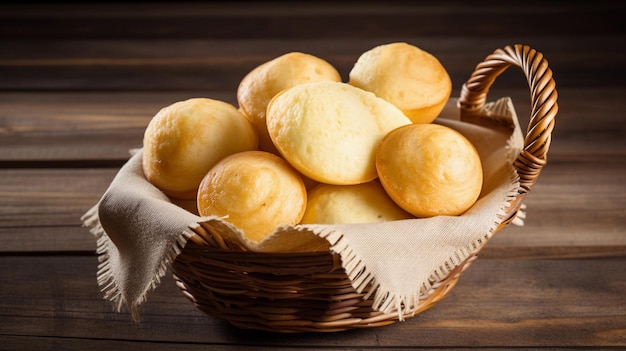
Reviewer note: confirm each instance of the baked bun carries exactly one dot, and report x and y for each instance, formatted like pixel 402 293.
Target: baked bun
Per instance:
pixel 407 76
pixel 345 204
pixel 260 85
pixel 329 130
pixel 430 170
pixel 256 191
pixel 185 139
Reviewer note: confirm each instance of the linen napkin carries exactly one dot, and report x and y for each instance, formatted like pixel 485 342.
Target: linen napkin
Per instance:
pixel 140 231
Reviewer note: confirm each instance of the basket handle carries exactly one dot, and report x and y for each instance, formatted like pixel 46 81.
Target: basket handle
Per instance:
pixel 544 105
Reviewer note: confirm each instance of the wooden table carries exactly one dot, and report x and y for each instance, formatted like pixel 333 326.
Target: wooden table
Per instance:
pixel 79 83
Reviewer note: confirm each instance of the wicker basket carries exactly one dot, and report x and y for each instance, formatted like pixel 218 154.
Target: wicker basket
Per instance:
pixel 310 292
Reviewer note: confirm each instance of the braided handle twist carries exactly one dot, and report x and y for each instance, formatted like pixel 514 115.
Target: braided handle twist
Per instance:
pixel 543 96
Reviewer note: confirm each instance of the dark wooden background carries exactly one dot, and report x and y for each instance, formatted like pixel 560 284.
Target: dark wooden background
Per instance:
pixel 79 83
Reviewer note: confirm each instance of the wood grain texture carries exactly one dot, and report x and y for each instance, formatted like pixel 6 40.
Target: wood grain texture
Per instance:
pixel 103 126
pixel 497 303
pixel 80 81
pixel 320 19
pixel 216 64
pixel 38 204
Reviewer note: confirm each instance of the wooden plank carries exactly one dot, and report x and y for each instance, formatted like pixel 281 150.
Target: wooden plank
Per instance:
pixel 76 126
pixel 158 65
pixel 576 206
pixel 319 19
pixel 497 303
pixel 103 126
pixel 49 198
pixel 573 202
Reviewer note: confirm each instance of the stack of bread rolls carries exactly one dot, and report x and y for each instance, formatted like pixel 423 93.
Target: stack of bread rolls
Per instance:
pixel 305 147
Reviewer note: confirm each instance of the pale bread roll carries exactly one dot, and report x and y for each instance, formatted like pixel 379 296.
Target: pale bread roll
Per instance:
pixel 430 170
pixel 345 204
pixel 329 130
pixel 410 78
pixel 256 191
pixel 262 83
pixel 185 139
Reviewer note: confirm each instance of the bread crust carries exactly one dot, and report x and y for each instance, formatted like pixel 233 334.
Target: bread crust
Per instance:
pixel 185 139
pixel 329 130
pixel 430 170
pixel 412 79
pixel 256 191
pixel 263 82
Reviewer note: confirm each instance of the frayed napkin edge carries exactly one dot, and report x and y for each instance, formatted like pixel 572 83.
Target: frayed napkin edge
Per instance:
pixel 104 276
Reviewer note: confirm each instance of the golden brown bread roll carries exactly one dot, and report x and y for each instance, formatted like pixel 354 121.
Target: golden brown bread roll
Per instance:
pixel 410 78
pixel 185 139
pixel 329 130
pixel 429 170
pixel 256 191
pixel 343 204
pixel 260 85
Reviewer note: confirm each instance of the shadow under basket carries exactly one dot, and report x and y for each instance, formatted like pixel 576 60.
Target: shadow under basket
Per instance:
pixel 311 292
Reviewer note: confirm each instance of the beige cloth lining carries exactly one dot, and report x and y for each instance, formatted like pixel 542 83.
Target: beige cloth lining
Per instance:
pixel 140 232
